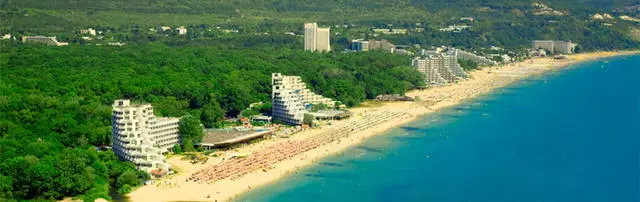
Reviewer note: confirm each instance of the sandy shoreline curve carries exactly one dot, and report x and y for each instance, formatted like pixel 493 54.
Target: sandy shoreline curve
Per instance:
pixel 368 121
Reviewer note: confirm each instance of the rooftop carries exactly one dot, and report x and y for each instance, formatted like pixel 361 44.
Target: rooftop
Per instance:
pixel 221 137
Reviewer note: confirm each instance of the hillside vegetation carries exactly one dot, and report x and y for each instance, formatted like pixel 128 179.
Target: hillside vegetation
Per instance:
pixel 55 102
pixel 500 23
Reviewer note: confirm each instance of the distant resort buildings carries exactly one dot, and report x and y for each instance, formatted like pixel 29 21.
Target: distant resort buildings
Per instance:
pixel 440 66
pixel 362 45
pixel 89 31
pixel 553 47
pixel 390 31
pixel 465 55
pixel 44 39
pixel 181 30
pixel 140 137
pixel 316 38
pixel 166 29
pixel 6 36
pixel 454 28
pixel 291 99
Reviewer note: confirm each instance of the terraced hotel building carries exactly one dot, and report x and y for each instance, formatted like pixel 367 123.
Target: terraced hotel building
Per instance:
pixel 140 137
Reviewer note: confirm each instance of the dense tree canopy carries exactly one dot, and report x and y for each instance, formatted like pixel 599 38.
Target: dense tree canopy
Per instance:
pixel 248 23
pixel 56 101
pixel 190 132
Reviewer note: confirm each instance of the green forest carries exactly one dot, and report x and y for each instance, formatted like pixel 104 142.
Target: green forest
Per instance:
pixel 56 101
pixel 510 24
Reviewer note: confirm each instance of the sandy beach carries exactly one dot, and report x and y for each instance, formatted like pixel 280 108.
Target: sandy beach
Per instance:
pixel 221 179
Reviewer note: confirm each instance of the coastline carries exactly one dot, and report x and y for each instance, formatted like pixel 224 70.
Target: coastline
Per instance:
pixel 433 99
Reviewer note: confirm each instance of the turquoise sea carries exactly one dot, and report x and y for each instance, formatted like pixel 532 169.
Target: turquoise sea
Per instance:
pixel 570 135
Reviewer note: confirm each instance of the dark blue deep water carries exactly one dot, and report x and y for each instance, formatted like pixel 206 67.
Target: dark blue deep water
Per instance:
pixel 570 135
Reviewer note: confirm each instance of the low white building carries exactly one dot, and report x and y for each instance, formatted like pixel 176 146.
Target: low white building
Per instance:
pixel 89 31
pixel 116 44
pixel 506 58
pixel 163 28
pixel 181 30
pixel 140 137
pixel 454 28
pixel 49 40
pixel 390 31
pixel 470 19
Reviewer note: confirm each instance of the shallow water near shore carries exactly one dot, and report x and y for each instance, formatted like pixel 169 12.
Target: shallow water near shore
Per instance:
pixel 570 135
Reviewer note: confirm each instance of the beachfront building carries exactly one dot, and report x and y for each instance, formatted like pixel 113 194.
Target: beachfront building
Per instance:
pixel 459 54
pixel 316 38
pixel 140 137
pixel 291 99
pixel 563 47
pixel 543 44
pixel 49 40
pixel 464 55
pixel 288 106
pixel 439 69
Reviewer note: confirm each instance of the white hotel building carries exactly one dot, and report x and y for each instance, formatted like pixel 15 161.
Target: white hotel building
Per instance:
pixel 562 47
pixel 138 136
pixel 439 69
pixel 316 38
pixel 290 95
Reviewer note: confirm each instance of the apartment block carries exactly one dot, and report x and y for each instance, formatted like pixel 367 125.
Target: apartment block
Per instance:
pixel 316 38
pixel 288 106
pixel 564 47
pixel 291 98
pixel 439 69
pixel 430 71
pixel 362 45
pixel 461 54
pixel 140 137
